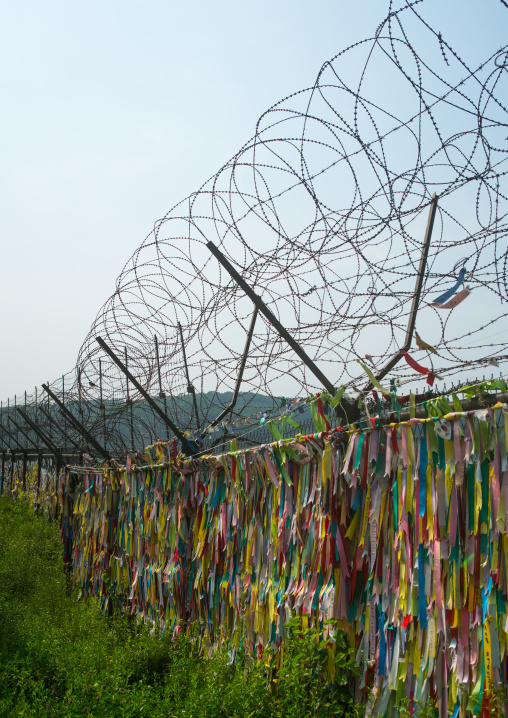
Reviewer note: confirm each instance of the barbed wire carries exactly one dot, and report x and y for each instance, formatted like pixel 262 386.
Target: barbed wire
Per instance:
pixel 323 213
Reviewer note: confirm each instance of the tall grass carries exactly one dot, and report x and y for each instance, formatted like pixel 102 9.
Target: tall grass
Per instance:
pixel 62 657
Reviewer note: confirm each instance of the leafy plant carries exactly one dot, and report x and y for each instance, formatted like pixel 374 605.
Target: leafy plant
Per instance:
pixel 302 686
pixel 497 700
pixel 62 657
pixel 403 706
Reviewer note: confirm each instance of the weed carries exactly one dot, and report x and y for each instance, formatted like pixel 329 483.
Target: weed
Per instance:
pixel 62 657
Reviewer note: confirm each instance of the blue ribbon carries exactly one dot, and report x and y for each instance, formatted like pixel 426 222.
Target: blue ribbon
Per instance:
pixel 450 292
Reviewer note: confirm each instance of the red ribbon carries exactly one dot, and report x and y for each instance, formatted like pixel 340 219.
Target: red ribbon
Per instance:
pixel 321 412
pixel 420 369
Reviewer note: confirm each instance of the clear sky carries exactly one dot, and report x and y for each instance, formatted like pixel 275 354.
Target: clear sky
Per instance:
pixel 114 111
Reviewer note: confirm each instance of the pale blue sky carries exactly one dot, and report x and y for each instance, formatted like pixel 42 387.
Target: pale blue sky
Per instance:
pixel 114 111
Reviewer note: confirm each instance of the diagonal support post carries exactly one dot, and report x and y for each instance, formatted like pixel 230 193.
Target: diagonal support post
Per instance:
pixel 62 431
pixel 261 306
pixel 162 394
pixel 19 428
pixel 11 436
pixel 77 424
pixel 187 446
pixel 190 387
pixel 2 437
pixel 240 372
pixel 416 296
pixel 42 436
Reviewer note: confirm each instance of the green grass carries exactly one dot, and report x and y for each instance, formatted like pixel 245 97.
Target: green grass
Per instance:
pixel 62 657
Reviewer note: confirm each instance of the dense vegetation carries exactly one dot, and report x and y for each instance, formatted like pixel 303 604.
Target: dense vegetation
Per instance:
pixel 61 657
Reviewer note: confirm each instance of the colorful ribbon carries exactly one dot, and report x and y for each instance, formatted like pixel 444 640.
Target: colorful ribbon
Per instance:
pixel 397 534
pixel 450 292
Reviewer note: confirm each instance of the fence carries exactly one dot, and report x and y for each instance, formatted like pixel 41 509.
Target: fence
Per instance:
pixel 397 533
pixel 61 425
pixel 301 281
